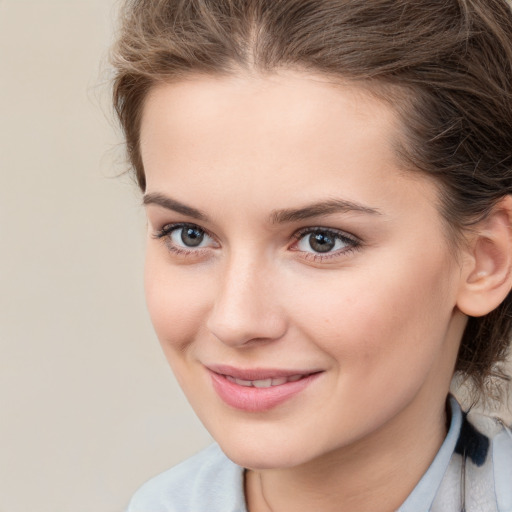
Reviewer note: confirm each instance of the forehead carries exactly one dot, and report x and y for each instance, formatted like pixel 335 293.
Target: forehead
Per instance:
pixel 275 111
pixel 283 135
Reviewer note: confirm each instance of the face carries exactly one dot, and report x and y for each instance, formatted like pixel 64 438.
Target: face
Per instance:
pixel 298 278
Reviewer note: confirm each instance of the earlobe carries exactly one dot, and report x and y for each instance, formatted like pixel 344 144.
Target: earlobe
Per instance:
pixel 486 277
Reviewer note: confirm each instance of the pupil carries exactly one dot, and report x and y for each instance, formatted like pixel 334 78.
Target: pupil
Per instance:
pixel 192 237
pixel 321 242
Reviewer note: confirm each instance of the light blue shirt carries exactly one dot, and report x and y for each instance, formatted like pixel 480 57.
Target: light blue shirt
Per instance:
pixel 472 472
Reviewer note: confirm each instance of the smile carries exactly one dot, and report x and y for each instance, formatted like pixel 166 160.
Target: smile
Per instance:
pixel 264 383
pixel 258 390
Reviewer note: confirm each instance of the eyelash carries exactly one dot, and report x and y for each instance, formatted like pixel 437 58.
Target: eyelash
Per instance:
pixel 164 235
pixel 351 241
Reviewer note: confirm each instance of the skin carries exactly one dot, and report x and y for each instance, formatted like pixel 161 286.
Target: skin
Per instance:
pixel 379 319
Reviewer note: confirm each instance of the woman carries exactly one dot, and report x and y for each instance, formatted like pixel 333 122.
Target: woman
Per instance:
pixel 327 185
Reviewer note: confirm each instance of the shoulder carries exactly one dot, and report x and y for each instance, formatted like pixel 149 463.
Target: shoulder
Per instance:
pixel 473 469
pixel 206 481
pixel 486 445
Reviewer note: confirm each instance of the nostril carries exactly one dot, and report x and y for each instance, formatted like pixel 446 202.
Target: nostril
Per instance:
pixel 246 327
pixel 243 311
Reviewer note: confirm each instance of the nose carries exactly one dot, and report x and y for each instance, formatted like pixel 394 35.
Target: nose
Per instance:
pixel 246 307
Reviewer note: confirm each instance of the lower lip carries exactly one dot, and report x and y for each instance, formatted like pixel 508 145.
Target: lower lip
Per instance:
pixel 251 399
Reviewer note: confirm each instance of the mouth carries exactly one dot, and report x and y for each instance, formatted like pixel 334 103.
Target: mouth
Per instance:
pixel 265 383
pixel 258 390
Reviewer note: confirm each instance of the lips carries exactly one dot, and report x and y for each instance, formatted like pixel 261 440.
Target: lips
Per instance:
pixel 264 383
pixel 258 390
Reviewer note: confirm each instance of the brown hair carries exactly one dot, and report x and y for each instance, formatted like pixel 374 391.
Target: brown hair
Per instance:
pixel 451 58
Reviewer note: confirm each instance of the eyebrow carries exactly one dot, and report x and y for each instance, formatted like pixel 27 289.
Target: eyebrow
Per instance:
pixel 321 208
pixel 277 216
pixel 172 204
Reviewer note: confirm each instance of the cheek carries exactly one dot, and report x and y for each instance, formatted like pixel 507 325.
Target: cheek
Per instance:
pixel 176 302
pixel 381 319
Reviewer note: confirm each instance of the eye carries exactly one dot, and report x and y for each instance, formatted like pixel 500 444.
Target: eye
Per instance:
pixel 320 241
pixel 188 236
pixel 185 237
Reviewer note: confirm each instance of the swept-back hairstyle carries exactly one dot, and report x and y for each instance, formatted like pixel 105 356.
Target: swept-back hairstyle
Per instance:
pixel 446 66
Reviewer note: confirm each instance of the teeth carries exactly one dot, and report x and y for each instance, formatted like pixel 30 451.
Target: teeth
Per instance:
pixel 264 383
pixel 240 382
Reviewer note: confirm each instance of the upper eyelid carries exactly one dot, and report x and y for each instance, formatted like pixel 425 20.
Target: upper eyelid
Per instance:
pixel 164 234
pixel 353 243
pixel 339 232
pixel 171 226
pixel 168 228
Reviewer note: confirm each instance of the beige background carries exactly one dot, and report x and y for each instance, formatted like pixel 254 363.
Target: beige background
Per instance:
pixel 88 407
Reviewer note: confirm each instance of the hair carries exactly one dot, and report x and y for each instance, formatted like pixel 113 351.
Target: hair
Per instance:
pixel 446 66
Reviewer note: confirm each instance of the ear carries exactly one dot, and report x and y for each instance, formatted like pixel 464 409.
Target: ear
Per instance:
pixel 486 277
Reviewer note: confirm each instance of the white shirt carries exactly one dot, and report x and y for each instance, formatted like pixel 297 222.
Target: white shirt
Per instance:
pixel 472 472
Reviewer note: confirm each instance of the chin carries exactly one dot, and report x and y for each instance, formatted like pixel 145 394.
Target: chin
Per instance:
pixel 258 459
pixel 263 454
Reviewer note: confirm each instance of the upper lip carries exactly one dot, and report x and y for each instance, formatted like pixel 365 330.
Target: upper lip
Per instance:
pixel 257 373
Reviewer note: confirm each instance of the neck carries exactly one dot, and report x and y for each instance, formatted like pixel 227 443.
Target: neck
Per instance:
pixel 376 473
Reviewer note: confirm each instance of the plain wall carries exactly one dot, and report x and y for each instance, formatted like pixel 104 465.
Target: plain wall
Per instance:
pixel 89 408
